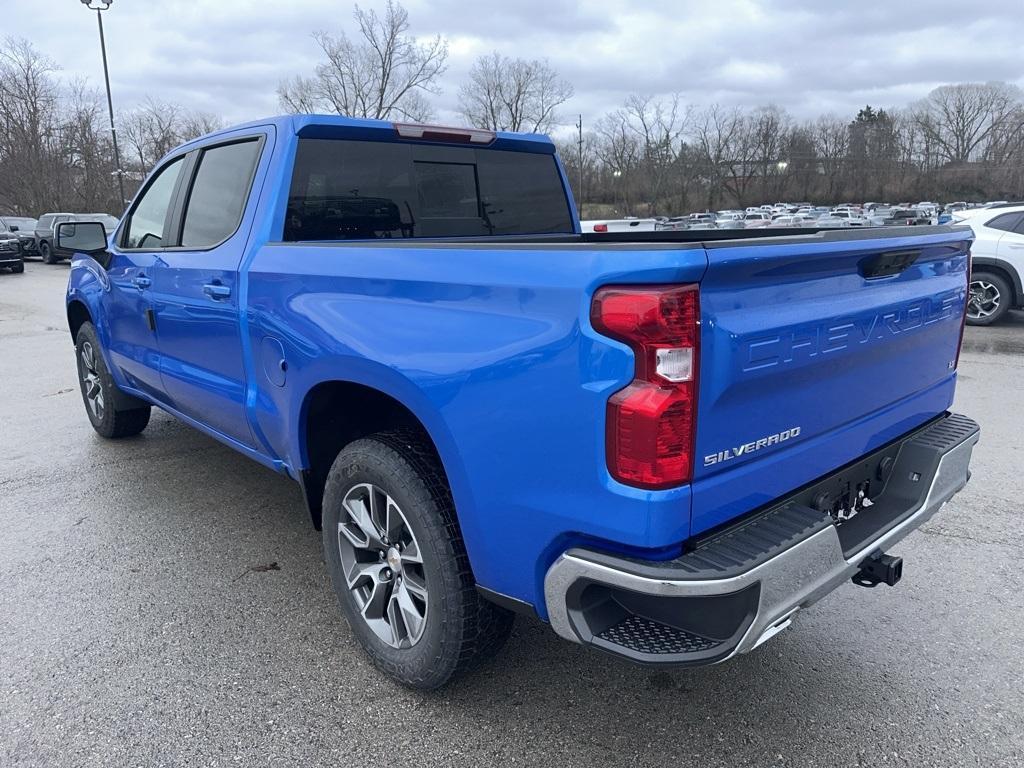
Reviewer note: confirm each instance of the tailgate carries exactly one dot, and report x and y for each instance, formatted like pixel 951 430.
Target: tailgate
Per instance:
pixel 816 350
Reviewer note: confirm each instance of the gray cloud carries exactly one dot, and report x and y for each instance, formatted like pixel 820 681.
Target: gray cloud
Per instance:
pixel 227 56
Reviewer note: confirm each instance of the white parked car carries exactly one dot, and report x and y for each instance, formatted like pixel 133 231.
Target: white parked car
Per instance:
pixel 757 219
pixel 853 218
pixel 997 262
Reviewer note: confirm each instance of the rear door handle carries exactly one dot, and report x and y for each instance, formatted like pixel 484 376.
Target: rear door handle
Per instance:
pixel 141 281
pixel 216 291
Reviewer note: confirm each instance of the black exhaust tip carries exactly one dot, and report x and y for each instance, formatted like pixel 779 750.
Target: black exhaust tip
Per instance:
pixel 879 568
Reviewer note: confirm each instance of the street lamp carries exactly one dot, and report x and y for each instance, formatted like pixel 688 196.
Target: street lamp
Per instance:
pixel 99 8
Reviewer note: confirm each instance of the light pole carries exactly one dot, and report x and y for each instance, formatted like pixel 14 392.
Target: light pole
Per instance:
pixel 102 6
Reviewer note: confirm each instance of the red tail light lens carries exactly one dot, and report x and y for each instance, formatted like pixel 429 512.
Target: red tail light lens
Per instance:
pixel 600 227
pixel 651 423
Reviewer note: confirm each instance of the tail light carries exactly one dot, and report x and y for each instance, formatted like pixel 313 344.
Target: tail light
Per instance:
pixel 963 318
pixel 651 423
pixel 600 227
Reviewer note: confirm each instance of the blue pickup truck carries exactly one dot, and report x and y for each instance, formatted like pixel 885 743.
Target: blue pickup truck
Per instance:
pixel 664 444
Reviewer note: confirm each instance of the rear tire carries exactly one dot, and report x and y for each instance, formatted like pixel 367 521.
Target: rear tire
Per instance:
pixel 989 298
pixel 399 566
pixel 46 253
pixel 18 268
pixel 103 401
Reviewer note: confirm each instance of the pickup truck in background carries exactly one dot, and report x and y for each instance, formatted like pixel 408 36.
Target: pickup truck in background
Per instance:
pixel 665 444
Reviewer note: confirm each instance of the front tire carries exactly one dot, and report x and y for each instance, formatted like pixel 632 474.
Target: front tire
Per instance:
pixel 988 299
pixel 18 268
pixel 399 566
pixel 100 394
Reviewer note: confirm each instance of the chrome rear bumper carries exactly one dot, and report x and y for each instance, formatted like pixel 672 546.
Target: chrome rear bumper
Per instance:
pixel 743 586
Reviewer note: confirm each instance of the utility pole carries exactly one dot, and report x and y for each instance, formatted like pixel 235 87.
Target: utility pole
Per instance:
pixel 580 147
pixel 105 4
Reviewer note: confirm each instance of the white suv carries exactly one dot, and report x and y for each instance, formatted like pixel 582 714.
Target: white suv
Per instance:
pixel 997 261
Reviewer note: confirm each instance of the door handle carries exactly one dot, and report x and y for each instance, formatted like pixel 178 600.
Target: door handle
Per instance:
pixel 141 281
pixel 216 291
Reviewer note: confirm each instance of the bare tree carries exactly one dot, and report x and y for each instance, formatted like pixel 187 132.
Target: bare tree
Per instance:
pixel 385 73
pixel 29 130
pixel 830 135
pixel 961 118
pixel 155 128
pixel 506 94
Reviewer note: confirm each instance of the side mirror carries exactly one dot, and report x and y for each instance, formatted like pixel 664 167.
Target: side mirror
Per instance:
pixel 86 237
pixel 14 227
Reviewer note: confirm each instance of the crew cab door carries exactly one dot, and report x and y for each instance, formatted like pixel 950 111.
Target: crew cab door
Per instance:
pixel 128 309
pixel 196 289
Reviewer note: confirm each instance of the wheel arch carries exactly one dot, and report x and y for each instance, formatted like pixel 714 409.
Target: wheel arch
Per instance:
pixel 1005 270
pixel 335 412
pixel 78 314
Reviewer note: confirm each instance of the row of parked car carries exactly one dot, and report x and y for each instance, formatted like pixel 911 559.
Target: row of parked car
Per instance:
pixel 997 281
pixel 22 237
pixel 782 215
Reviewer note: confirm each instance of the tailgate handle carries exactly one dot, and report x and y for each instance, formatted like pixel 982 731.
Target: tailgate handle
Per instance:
pixel 886 264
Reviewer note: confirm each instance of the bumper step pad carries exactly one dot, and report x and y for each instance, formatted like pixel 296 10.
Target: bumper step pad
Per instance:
pixel 654 638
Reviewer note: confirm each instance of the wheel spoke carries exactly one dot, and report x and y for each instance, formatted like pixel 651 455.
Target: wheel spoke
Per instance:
pixel 394 523
pixel 414 585
pixel 361 517
pixel 411 554
pixel 88 358
pixel 396 621
pixel 358 573
pixel 377 601
pixel 411 616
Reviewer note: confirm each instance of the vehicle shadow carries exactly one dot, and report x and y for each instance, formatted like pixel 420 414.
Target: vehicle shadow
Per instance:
pixel 839 687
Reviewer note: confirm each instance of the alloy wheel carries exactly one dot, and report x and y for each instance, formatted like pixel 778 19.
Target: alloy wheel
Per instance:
pixel 983 300
pixel 383 565
pixel 91 380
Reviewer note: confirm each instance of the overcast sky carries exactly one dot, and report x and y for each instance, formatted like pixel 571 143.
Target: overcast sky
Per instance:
pixel 227 56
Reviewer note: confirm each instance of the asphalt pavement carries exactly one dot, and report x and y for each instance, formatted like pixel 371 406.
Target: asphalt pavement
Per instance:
pixel 143 624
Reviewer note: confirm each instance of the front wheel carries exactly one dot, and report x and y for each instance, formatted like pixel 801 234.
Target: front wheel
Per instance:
pixel 18 268
pixel 103 403
pixel 398 564
pixel 989 298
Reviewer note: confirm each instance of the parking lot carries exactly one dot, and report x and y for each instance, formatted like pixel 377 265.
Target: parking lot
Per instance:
pixel 140 623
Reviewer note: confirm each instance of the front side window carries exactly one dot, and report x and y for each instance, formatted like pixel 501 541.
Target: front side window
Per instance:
pixel 45 221
pixel 363 190
pixel 146 225
pixel 219 193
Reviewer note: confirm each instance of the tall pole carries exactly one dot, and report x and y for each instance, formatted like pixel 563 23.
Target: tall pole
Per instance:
pixel 579 126
pixel 110 108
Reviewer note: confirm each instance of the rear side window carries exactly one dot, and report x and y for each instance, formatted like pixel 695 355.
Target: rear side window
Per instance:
pixel 219 193
pixel 1006 222
pixel 146 225
pixel 362 190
